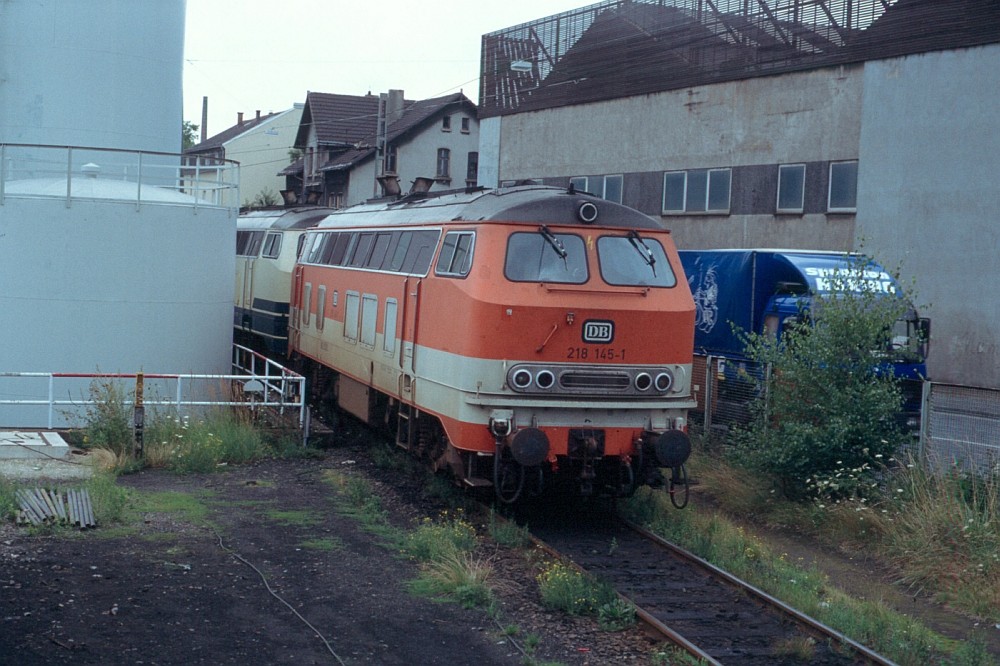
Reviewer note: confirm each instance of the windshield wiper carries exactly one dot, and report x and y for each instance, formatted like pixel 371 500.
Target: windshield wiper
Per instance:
pixel 556 244
pixel 640 247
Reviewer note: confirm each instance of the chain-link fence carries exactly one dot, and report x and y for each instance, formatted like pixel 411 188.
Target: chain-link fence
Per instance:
pixel 961 428
pixel 724 389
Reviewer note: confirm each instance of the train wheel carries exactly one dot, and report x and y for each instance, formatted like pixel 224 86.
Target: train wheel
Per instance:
pixel 508 476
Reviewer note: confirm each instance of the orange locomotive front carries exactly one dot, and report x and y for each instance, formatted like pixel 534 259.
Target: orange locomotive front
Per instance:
pixel 518 337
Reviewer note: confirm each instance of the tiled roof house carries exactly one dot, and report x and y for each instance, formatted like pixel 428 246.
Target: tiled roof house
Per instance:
pixel 344 153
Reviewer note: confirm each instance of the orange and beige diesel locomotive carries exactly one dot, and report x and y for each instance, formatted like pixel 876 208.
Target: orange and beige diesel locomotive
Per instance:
pixel 519 337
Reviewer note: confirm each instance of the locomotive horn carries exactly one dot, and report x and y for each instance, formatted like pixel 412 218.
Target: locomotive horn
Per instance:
pixel 672 448
pixel 530 447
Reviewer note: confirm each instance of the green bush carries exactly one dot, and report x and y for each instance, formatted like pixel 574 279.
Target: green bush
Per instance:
pixel 829 403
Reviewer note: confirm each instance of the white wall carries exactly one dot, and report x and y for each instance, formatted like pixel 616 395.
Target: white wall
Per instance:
pixel 928 196
pixel 262 152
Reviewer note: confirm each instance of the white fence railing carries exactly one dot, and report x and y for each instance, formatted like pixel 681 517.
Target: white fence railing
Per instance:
pixel 59 399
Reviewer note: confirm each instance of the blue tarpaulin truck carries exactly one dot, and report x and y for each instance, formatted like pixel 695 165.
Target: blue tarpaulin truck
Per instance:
pixel 765 291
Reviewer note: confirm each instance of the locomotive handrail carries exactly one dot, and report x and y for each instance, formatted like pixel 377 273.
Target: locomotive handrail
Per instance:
pixel 623 291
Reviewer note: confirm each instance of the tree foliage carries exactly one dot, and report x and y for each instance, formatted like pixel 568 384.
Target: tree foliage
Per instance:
pixel 266 197
pixel 828 406
pixel 189 134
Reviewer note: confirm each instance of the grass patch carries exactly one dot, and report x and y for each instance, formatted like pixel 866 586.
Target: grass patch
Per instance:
pixel 178 443
pixel 327 544
pixel 458 575
pixel 298 518
pixel 507 532
pixel 191 507
pixel 565 588
pixel 438 539
pixel 356 499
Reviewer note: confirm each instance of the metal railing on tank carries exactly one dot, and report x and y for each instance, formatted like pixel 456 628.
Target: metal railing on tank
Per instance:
pixel 36 171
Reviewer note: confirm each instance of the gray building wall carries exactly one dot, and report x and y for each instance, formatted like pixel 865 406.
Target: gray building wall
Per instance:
pixel 929 196
pixel 751 126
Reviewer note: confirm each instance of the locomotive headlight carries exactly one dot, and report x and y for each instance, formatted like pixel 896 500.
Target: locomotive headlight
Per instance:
pixel 545 379
pixel 664 381
pixel 521 379
pixel 643 381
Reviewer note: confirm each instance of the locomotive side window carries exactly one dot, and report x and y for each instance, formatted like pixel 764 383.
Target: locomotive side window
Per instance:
pixel 314 248
pixel 362 248
pixel 272 245
pixel 379 250
pixel 420 252
pixel 634 261
pixel 328 247
pixel 399 254
pixel 248 243
pixel 456 253
pixel 339 249
pixel 536 257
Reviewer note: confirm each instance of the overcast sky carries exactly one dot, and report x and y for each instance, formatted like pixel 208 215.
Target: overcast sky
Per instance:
pixel 246 55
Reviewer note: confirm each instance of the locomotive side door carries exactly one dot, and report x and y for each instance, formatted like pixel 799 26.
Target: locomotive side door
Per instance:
pixel 408 336
pixel 246 303
pixel 295 309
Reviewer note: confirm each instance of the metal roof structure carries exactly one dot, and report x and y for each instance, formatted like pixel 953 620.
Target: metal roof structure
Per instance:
pixel 620 48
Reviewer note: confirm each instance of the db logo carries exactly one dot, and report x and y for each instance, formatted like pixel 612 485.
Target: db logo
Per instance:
pixel 598 330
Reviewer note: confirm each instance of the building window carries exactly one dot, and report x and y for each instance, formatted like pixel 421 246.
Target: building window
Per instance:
pixel 446 124
pixel 612 190
pixel 579 183
pixel 444 163
pixel 696 191
pixel 472 170
pixel 390 160
pixel 791 188
pixel 465 125
pixel 843 187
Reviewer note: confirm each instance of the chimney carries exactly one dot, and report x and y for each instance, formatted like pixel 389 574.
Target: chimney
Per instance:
pixel 239 118
pixel 258 114
pixel 394 107
pixel 204 118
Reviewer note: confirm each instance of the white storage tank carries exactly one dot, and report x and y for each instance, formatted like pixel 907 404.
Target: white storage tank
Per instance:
pixel 112 258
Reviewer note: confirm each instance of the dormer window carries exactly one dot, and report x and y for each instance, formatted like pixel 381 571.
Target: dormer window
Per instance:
pixel 446 124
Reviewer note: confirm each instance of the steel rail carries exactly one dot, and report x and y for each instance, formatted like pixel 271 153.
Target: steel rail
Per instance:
pixel 668 633
pixel 817 628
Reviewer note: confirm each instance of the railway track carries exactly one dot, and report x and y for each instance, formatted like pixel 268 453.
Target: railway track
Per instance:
pixel 702 609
